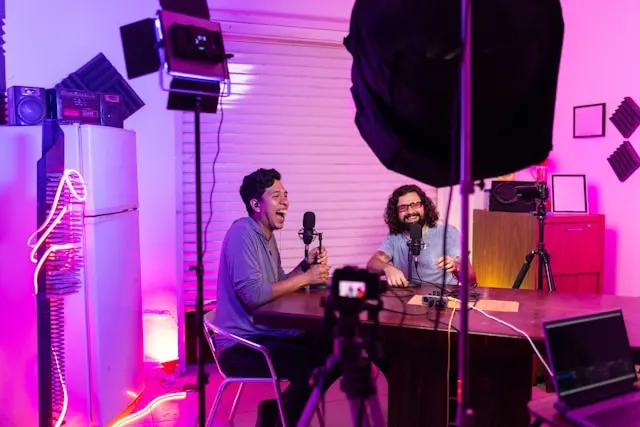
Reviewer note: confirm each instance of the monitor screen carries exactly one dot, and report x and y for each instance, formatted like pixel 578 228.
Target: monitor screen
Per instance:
pixel 589 352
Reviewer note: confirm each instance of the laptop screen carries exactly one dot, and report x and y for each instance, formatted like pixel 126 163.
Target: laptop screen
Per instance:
pixel 589 352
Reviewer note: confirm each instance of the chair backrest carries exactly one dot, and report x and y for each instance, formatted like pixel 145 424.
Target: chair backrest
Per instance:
pixel 208 320
pixel 210 316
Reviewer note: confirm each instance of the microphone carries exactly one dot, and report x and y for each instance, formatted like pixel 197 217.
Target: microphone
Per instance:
pixel 308 227
pixel 415 232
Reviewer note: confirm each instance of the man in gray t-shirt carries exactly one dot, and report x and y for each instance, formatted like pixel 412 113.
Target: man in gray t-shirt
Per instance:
pixel 407 205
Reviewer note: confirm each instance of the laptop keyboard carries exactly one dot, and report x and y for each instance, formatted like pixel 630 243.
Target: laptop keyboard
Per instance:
pixel 627 414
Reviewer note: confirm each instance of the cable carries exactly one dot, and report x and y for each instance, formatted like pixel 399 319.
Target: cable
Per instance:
pixel 47 228
pixel 502 322
pixel 449 327
pixel 213 173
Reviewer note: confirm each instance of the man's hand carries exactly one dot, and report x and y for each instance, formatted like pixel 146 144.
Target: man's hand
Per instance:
pixel 447 264
pixel 317 257
pixel 395 277
pixel 318 274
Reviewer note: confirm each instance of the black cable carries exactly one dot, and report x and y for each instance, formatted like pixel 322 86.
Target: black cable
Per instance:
pixel 213 172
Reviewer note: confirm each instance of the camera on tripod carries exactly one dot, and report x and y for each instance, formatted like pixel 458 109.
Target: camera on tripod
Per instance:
pixel 538 192
pixel 353 291
pixel 352 286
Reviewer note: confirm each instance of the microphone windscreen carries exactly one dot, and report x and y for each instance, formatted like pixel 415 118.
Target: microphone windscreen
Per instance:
pixel 415 231
pixel 309 220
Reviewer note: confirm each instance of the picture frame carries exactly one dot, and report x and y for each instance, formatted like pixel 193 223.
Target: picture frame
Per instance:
pixel 589 121
pixel 569 193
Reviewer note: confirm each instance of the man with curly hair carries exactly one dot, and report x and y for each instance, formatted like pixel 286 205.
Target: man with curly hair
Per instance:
pixel 408 204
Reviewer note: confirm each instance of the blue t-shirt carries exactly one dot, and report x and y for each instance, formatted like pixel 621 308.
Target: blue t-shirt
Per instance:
pixel 397 248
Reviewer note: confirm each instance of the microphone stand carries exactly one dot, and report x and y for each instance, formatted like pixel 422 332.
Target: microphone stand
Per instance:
pixel 464 414
pixel 409 259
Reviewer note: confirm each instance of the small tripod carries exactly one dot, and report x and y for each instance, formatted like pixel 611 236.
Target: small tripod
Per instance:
pixel 544 262
pixel 357 379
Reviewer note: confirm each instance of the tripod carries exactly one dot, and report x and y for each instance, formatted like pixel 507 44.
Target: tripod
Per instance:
pixel 357 379
pixel 544 262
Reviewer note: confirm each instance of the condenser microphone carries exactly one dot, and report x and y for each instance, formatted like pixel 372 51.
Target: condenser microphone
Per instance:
pixel 415 233
pixel 308 227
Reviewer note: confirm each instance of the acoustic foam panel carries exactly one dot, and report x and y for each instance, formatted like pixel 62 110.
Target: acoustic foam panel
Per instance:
pixel 624 161
pixel 99 75
pixel 626 118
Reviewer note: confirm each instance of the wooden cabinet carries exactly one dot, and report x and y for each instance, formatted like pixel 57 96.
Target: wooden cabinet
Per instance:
pixel 575 243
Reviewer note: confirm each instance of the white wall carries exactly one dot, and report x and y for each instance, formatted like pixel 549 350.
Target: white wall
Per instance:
pixel 45 41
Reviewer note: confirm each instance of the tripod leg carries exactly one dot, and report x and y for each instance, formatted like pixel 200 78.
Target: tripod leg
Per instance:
pixel 377 418
pixel 544 255
pixel 523 271
pixel 359 416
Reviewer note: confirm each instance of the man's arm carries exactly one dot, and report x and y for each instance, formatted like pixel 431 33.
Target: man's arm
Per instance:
pixel 379 262
pixel 248 278
pixel 453 250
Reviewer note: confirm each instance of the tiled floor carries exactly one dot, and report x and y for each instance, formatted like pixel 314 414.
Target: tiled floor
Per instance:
pixel 183 413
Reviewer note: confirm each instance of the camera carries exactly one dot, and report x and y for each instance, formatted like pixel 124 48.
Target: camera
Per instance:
pixel 355 285
pixel 539 192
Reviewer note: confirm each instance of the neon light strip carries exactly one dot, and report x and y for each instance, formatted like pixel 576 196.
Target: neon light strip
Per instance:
pixel 48 228
pixel 147 409
pixel 65 395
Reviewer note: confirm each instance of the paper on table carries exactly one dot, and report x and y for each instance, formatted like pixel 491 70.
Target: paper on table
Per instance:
pixel 485 304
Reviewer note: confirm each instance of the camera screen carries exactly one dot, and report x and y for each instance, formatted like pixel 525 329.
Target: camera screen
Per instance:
pixel 352 289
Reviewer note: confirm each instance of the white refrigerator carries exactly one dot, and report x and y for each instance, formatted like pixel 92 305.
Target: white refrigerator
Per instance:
pixel 103 320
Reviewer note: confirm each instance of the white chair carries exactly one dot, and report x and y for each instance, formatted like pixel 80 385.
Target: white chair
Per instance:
pixel 210 330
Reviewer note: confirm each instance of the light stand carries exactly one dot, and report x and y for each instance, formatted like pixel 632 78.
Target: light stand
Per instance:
pixel 203 378
pixel 188 49
pixel 464 415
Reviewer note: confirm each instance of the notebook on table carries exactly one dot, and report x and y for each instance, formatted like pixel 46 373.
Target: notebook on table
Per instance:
pixel 593 369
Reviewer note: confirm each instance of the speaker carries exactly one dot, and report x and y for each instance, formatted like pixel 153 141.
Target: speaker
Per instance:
pixel 26 105
pixel 111 110
pixel 504 197
pixel 100 76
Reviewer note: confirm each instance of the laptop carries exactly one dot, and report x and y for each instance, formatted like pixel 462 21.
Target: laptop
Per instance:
pixel 593 369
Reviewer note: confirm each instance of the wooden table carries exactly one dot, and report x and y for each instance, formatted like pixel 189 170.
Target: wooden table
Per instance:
pixel 501 359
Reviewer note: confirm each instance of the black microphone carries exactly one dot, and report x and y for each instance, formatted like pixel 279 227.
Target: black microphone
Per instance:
pixel 415 232
pixel 308 227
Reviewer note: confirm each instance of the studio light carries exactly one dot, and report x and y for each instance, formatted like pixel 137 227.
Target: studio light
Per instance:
pixel 406 83
pixel 435 81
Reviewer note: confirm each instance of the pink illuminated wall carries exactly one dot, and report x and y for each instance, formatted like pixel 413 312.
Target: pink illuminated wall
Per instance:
pixel 44 42
pixel 600 64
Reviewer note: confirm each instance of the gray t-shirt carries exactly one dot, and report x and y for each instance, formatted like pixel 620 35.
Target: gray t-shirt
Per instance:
pixel 249 265
pixel 397 248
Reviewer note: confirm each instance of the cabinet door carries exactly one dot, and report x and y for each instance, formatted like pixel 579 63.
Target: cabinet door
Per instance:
pixel 575 248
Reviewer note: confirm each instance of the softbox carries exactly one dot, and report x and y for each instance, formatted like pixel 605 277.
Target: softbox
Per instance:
pixel 406 79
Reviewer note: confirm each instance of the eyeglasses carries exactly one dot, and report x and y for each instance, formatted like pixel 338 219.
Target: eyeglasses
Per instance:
pixel 412 205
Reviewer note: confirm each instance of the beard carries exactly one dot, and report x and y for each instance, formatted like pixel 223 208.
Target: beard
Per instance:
pixel 407 225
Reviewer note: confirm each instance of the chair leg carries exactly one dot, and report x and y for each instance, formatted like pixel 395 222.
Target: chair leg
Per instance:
pixel 235 402
pixel 278 390
pixel 221 388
